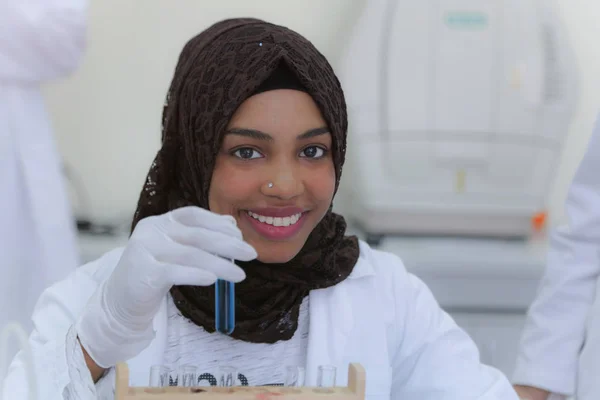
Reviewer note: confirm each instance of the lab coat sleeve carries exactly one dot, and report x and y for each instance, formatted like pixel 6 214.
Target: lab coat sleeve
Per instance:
pixel 555 329
pixel 41 39
pixel 434 358
pixel 60 367
pixel 81 385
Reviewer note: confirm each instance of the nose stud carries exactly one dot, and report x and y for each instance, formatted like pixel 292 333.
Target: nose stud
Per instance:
pixel 270 185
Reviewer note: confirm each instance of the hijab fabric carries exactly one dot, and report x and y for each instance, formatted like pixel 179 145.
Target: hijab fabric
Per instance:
pixel 217 71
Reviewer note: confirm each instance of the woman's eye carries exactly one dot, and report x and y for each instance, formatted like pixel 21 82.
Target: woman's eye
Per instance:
pixel 313 152
pixel 246 153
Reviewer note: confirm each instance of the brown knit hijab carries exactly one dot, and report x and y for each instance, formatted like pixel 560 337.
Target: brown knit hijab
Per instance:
pixel 216 72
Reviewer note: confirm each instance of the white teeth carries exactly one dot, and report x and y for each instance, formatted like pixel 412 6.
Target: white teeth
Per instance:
pixel 276 221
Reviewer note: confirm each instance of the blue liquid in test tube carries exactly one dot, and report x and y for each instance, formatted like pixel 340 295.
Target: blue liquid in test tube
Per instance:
pixel 224 306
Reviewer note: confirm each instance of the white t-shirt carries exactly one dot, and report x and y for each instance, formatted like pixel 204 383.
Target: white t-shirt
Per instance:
pixel 256 363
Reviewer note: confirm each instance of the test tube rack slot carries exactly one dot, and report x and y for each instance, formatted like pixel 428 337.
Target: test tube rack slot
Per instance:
pixel 354 391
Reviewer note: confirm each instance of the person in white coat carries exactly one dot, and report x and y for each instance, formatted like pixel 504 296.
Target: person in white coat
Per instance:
pixel 560 348
pixel 40 41
pixel 253 143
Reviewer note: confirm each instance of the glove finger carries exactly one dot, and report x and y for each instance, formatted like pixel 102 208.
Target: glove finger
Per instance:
pixel 212 242
pixel 199 217
pixel 190 276
pixel 191 257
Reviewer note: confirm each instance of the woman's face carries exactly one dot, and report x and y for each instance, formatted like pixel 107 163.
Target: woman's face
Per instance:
pixel 277 137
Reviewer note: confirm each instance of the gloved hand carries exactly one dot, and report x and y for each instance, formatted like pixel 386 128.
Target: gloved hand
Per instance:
pixel 187 246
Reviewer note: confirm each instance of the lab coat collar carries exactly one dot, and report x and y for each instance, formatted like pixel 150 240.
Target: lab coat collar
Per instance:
pixel 331 322
pixel 363 267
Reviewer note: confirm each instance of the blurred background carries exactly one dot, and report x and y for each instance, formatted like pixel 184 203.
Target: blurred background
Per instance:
pixel 107 116
pixel 467 192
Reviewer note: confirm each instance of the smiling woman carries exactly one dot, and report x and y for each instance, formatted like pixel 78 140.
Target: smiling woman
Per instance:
pixel 253 144
pixel 278 137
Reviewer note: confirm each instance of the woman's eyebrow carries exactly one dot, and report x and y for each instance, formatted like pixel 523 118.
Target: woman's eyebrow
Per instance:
pixel 251 133
pixel 314 132
pixel 258 135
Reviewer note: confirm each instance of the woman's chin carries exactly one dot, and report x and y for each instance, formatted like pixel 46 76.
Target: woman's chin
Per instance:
pixel 276 256
pixel 270 259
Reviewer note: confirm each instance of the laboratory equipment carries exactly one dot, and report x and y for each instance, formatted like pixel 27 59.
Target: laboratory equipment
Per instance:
pixel 227 376
pixel 354 391
pixel 326 376
pixel 457 114
pixel 183 376
pixel 171 377
pixel 294 376
pixel 158 376
pixel 187 376
pixel 224 306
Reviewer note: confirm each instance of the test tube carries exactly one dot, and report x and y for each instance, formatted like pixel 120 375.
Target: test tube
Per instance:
pixel 227 376
pixel 187 376
pixel 294 376
pixel 224 306
pixel 326 376
pixel 170 377
pixel 158 376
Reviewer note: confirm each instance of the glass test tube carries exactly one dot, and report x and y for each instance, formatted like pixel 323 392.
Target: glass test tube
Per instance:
pixel 227 376
pixel 171 377
pixel 326 376
pixel 187 376
pixel 158 376
pixel 294 377
pixel 224 306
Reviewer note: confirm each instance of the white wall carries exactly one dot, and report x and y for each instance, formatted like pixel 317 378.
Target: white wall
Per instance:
pixel 107 115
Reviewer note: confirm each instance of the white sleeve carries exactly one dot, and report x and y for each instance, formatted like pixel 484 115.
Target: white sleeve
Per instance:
pixel 555 329
pixel 41 39
pixel 81 385
pixel 60 367
pixel 435 359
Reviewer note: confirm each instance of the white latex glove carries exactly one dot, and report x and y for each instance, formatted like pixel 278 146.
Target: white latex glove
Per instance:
pixel 187 246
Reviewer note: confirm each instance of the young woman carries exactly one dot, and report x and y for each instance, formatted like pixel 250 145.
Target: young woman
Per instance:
pixel 254 135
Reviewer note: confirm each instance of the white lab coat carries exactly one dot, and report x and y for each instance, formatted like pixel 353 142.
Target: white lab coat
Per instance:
pixel 560 347
pixel 40 40
pixel 381 317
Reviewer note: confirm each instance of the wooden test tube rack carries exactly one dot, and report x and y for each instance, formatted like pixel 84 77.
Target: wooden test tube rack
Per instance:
pixel 354 391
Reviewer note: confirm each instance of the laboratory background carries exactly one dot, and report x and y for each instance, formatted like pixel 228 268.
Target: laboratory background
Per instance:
pixel 467 122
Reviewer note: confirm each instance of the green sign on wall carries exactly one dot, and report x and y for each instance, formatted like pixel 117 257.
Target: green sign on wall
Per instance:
pixel 466 20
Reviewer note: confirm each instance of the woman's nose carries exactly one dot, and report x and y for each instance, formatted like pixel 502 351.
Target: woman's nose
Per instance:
pixel 286 183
